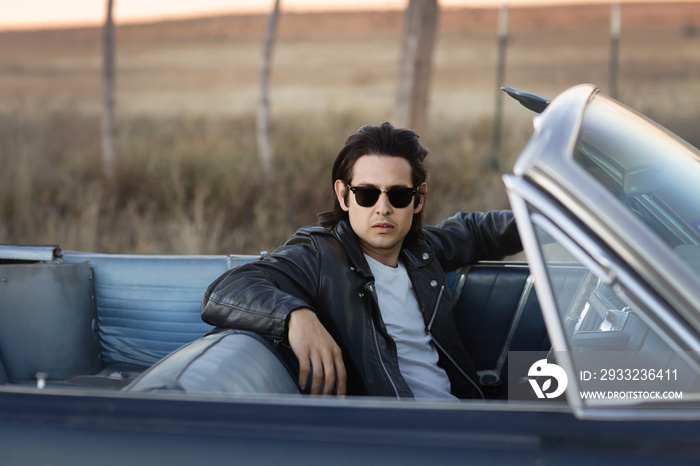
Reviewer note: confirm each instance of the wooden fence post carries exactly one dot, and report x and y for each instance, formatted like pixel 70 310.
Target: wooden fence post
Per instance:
pixel 615 22
pixel 265 152
pixel 108 84
pixel 500 78
pixel 420 29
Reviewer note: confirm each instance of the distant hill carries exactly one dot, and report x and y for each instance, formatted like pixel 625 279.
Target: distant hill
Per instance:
pixel 634 15
pixel 475 19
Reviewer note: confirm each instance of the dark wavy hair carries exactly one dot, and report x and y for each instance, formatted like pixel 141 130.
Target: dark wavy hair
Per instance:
pixel 378 140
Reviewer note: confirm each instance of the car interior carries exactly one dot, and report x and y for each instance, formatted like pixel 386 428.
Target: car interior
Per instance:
pixel 132 322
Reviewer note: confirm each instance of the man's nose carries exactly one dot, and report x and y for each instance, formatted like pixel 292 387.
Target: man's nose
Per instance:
pixel 383 206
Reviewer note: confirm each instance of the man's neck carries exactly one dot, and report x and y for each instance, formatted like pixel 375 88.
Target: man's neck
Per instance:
pixel 388 257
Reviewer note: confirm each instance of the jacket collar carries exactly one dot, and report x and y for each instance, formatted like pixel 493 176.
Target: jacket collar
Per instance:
pixel 351 245
pixel 418 255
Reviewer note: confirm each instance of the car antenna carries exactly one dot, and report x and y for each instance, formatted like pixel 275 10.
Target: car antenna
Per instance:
pixel 530 101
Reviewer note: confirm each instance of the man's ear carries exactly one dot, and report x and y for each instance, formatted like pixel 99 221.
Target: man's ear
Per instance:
pixel 341 190
pixel 423 188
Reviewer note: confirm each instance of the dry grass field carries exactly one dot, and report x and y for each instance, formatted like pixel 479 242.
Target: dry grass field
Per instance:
pixel 188 179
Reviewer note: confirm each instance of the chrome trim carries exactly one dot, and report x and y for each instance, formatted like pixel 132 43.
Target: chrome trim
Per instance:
pixel 524 296
pixel 30 253
pixel 461 280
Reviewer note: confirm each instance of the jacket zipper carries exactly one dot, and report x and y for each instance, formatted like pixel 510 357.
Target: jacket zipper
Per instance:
pixel 439 298
pixel 370 289
pixel 454 363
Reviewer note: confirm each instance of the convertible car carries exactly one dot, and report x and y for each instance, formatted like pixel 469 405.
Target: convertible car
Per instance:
pixel 588 352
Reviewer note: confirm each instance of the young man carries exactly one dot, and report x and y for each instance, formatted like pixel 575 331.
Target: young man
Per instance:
pixel 362 299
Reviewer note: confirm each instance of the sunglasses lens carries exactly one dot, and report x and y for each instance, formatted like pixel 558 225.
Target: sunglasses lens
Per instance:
pixel 398 197
pixel 367 197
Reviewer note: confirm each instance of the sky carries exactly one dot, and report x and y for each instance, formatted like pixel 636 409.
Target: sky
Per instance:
pixel 19 14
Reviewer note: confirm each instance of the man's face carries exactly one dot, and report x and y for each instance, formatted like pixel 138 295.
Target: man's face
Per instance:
pixel 382 227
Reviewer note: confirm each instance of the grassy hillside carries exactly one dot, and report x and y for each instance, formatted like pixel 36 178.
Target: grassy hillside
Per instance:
pixel 188 179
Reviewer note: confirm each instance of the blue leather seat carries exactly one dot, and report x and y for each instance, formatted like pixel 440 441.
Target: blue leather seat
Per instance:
pixel 149 306
pixel 225 362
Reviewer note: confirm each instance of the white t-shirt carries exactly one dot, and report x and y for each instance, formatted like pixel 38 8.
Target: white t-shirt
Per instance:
pixel 399 308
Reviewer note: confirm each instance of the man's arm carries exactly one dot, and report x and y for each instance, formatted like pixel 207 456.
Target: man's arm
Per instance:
pixel 259 296
pixel 467 238
pixel 272 298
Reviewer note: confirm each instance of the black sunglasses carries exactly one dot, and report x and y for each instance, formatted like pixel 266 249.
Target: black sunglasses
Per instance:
pixel 367 196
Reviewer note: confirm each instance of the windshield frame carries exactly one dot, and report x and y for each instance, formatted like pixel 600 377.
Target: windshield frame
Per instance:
pixel 548 162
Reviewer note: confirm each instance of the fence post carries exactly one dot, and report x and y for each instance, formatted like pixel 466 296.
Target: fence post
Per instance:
pixel 107 129
pixel 415 68
pixel 615 21
pixel 265 151
pixel 500 77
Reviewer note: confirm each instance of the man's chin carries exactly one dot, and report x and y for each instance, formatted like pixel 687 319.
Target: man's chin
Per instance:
pixel 383 243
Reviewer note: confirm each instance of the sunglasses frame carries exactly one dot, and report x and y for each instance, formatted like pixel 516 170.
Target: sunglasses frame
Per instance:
pixel 388 192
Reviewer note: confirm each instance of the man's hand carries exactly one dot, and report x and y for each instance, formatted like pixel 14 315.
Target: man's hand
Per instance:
pixel 316 349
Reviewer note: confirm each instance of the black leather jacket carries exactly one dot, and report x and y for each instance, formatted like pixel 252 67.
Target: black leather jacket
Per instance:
pixel 327 272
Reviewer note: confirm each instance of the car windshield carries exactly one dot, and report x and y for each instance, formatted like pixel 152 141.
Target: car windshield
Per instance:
pixel 619 356
pixel 654 173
